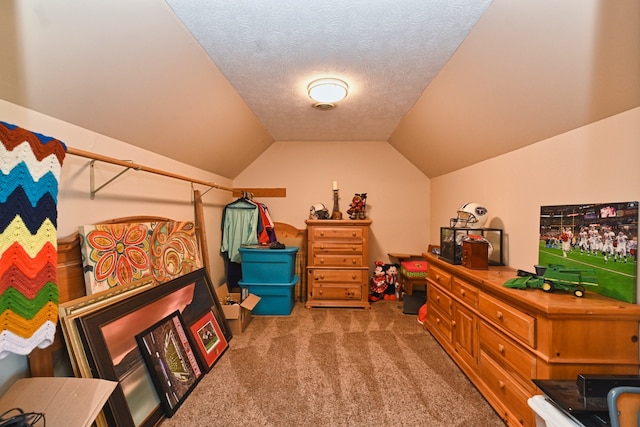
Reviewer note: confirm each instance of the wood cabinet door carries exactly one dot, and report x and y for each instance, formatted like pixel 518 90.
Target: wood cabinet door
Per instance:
pixel 465 334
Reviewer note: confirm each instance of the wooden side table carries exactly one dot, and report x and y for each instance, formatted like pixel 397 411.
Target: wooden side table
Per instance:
pixel 408 282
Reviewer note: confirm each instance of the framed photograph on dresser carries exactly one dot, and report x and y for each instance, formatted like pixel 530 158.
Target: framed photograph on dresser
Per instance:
pixel 598 239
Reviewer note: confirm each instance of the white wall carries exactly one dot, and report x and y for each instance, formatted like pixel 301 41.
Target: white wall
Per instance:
pixel 134 193
pixel 397 192
pixel 594 163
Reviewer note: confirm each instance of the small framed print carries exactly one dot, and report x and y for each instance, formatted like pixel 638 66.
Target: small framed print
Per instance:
pixel 210 342
pixel 171 361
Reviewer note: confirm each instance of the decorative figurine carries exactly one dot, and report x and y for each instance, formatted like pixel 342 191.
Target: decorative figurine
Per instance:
pixel 357 207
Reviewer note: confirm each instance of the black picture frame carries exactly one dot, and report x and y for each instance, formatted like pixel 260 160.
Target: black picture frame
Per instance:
pixel 169 355
pixel 108 336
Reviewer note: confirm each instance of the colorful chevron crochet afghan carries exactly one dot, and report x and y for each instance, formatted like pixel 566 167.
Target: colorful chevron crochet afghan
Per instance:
pixel 30 165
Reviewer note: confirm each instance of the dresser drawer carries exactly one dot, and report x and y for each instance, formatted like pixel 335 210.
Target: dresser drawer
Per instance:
pixel 507 352
pixel 338 276
pixel 440 277
pixel 333 291
pixel 324 260
pixel 510 392
pixel 320 248
pixel 509 318
pixel 439 299
pixel 439 324
pixel 464 292
pixel 337 233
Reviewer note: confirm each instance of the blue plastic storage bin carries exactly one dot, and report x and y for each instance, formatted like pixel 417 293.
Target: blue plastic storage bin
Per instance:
pixel 266 265
pixel 276 299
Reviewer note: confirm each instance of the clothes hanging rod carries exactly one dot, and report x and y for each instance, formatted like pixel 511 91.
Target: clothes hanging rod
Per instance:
pixel 132 165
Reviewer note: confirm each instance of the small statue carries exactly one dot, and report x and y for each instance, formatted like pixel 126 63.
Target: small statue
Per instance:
pixel 357 207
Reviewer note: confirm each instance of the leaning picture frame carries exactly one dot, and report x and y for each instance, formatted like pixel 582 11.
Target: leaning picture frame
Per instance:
pixel 108 338
pixel 170 358
pixel 209 341
pixel 71 310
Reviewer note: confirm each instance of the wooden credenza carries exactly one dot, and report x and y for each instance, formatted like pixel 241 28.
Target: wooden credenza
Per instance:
pixel 338 263
pixel 501 338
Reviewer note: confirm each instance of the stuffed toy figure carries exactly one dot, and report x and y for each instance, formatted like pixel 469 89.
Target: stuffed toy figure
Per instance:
pixel 357 207
pixel 392 292
pixel 378 283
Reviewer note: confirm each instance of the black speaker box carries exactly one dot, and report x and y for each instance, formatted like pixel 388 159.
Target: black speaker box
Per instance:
pixel 599 385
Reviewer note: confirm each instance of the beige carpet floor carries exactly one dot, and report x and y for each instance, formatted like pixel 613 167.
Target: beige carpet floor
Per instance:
pixel 335 367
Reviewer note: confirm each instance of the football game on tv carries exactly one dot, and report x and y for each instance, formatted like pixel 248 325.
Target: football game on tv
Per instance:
pixel 598 239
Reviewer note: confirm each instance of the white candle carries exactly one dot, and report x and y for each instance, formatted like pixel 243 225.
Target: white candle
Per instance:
pixel 335 185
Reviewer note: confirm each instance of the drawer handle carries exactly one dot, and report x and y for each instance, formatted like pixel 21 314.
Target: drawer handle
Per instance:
pixel 322 233
pixel 501 348
pixel 321 260
pixel 354 248
pixel 321 276
pixel 462 292
pixel 353 277
pixel 438 320
pixel 353 261
pixel 438 298
pixel 354 234
pixel 320 292
pixel 499 315
pixel 501 384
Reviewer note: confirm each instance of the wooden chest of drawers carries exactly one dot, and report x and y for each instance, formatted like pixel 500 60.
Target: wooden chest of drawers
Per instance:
pixel 338 263
pixel 502 338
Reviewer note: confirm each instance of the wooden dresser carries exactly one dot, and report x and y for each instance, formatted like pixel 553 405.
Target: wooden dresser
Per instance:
pixel 502 338
pixel 338 263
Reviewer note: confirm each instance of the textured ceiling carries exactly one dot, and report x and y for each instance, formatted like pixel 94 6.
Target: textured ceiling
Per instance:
pixel 448 83
pixel 387 51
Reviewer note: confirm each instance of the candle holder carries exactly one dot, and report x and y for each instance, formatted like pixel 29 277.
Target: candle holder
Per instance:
pixel 336 214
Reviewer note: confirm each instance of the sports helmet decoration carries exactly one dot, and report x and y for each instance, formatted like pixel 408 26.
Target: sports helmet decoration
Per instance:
pixel 318 211
pixel 470 215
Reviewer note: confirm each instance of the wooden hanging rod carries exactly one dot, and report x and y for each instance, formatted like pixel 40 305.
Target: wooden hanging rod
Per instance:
pixel 257 192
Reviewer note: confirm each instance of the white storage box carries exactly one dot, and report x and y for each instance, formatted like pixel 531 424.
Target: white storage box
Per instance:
pixel 548 415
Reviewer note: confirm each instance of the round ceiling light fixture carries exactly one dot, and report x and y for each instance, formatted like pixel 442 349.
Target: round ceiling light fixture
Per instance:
pixel 326 92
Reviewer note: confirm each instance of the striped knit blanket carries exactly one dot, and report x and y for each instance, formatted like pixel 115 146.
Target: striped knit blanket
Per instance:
pixel 30 165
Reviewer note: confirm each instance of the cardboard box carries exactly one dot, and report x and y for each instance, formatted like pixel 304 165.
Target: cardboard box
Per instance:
pixel 238 315
pixel 63 401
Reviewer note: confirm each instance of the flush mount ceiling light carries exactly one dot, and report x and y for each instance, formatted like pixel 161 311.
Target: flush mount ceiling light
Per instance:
pixel 326 92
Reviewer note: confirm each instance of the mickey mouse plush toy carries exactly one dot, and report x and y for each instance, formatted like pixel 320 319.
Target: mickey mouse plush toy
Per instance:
pixel 378 283
pixel 392 292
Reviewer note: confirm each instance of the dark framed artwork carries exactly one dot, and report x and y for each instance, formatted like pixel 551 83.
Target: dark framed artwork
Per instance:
pixel 171 361
pixel 209 342
pixel 108 336
pixel 599 237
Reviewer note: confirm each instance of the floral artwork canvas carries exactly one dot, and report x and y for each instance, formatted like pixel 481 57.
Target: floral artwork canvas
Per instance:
pixel 117 254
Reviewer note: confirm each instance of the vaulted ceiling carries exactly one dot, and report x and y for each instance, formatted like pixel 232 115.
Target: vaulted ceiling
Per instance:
pixel 213 83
